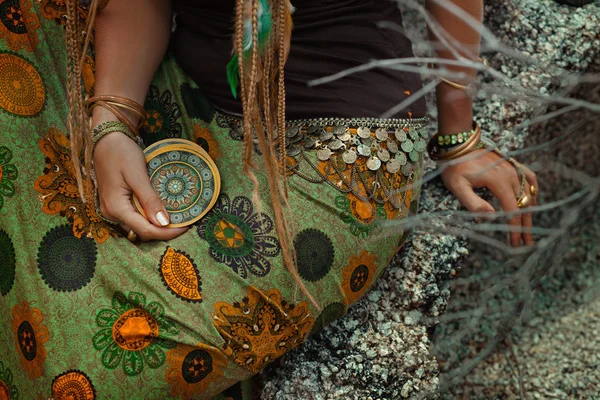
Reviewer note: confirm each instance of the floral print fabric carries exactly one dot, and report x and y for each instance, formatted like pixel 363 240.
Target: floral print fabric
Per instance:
pixel 88 315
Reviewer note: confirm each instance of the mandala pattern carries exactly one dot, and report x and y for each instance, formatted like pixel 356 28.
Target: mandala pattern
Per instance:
pixel 73 385
pixel 66 263
pixel 360 215
pixel 30 337
pixel 358 275
pixel 196 103
pixel 8 173
pixel 180 275
pixel 18 25
pixel 133 333
pixel 205 140
pixel 162 116
pixel 261 328
pixel 314 253
pixel 8 390
pixel 185 183
pixel 7 263
pixel 238 237
pixel 193 368
pixel 22 90
pixel 59 193
pixel 329 314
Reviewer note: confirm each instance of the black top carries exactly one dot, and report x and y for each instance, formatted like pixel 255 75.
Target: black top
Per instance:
pixel 329 36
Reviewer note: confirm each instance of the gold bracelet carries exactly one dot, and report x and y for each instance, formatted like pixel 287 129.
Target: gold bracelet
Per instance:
pixel 105 128
pixel 436 152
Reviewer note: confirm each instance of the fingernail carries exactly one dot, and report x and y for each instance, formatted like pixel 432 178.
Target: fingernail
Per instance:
pixel 162 218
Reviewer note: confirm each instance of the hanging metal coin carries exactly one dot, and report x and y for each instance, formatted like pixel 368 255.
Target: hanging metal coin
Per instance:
pixel 312 129
pixel 393 166
pixel 407 146
pixel 383 155
pixel 364 150
pixel 310 143
pixel 401 157
pixel 407 169
pixel 335 144
pixel 325 135
pixel 293 150
pixel 420 145
pixel 292 131
pixel 339 130
pixel 412 132
pixel 324 154
pixel 363 132
pixel 381 134
pixel 345 137
pixel 392 146
pixel 374 163
pixel 414 156
pixel 349 156
pixel 400 135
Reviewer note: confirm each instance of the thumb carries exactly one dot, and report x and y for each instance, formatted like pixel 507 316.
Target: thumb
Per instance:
pixel 152 204
pixel 463 191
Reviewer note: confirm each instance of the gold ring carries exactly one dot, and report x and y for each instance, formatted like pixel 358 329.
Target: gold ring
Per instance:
pixel 533 190
pixel 524 201
pixel 132 236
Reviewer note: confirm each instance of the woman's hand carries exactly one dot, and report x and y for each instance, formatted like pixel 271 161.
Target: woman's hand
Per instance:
pixel 483 168
pixel 120 171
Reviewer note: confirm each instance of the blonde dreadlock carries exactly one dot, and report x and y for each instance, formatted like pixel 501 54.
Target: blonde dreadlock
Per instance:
pixel 262 91
pixel 261 76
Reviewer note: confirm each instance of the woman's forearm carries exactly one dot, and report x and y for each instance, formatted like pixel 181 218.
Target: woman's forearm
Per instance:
pixel 131 39
pixel 455 106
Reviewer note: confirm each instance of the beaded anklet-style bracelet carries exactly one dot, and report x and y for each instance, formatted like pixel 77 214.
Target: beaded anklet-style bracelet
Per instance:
pixel 107 127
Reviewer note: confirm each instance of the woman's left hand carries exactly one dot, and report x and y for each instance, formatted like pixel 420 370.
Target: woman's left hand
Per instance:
pixel 484 168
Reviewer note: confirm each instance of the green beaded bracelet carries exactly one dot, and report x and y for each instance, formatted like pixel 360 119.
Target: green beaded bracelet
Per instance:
pixel 454 139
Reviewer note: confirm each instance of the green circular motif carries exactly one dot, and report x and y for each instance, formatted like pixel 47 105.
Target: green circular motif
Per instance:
pixel 7 263
pixel 314 253
pixel 229 235
pixel 329 314
pixel 66 263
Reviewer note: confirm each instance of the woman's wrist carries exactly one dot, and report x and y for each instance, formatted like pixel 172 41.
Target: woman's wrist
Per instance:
pixel 455 110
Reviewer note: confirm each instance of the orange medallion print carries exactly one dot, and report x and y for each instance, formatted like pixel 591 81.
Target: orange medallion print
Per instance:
pixel 180 275
pixel 18 25
pixel 358 276
pixel 22 90
pixel 261 328
pixel 72 385
pixel 205 139
pixel 135 330
pixel 30 336
pixel 59 193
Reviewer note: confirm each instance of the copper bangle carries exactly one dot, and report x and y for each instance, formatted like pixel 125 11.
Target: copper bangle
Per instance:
pixel 120 102
pixel 117 113
pixel 471 146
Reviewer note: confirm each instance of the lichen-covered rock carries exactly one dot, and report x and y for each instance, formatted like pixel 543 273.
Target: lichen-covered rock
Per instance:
pixel 381 348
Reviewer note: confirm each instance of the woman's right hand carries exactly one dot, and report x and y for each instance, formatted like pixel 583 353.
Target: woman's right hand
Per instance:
pixel 121 171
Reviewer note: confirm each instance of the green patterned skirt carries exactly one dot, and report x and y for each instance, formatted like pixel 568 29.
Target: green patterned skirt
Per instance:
pixel 86 314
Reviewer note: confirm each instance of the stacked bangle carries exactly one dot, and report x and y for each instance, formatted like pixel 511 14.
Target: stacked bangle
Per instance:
pixel 449 150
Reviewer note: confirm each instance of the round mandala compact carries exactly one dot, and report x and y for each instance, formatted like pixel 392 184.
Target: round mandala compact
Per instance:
pixel 185 177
